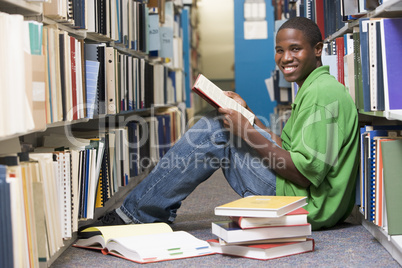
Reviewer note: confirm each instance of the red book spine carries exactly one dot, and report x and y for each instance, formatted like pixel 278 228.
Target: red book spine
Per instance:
pixel 319 16
pixel 340 53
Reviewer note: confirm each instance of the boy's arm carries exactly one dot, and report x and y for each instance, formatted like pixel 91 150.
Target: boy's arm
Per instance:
pixel 275 137
pixel 279 159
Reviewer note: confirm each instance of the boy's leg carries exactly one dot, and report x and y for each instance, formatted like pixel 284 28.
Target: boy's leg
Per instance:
pixel 195 157
pixel 249 173
pixel 177 174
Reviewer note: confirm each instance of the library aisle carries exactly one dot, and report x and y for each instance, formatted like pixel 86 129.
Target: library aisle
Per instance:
pixel 80 80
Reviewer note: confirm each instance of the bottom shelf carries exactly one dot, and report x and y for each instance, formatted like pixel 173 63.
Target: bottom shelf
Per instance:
pixel 393 244
pixel 112 203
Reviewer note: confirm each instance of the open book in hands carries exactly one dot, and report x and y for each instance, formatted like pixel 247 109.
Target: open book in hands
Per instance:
pixel 217 98
pixel 145 243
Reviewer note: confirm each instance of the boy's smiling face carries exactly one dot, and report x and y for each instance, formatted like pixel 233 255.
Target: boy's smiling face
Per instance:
pixel 295 56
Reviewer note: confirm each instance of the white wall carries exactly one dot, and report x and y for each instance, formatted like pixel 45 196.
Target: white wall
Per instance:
pixel 216 25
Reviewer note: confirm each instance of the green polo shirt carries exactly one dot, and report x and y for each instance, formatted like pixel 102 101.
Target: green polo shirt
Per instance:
pixel 322 138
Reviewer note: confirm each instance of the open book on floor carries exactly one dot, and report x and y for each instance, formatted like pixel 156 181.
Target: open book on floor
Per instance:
pixel 217 98
pixel 145 243
pixel 263 251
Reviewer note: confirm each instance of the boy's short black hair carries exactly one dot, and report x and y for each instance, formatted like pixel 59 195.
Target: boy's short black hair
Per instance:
pixel 307 26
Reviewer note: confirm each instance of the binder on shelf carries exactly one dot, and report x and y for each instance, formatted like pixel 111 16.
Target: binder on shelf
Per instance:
pixel 110 80
pixel 376 71
pixel 391 39
pixel 100 107
pixel 365 60
pixel 64 164
pixel 105 170
pixel 372 170
pixel 367 162
pixel 92 71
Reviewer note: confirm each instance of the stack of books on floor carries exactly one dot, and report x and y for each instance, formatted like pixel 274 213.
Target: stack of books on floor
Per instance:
pixel 263 227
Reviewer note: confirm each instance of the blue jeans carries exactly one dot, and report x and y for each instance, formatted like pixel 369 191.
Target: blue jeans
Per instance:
pixel 202 150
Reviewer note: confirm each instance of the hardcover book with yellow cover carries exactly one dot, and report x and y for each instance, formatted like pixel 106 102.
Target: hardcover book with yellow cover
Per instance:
pixel 261 206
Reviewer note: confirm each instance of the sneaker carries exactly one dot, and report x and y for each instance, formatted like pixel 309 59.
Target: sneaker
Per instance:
pixel 110 218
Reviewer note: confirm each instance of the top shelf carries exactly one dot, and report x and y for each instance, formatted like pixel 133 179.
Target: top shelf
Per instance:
pixel 391 8
pixel 21 7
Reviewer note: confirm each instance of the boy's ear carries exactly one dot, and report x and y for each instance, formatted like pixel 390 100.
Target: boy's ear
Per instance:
pixel 318 49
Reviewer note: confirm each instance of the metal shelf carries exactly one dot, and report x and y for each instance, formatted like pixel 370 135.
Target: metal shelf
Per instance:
pixel 21 7
pixel 392 8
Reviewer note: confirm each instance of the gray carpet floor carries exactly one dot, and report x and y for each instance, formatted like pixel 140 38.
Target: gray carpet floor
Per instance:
pixel 346 245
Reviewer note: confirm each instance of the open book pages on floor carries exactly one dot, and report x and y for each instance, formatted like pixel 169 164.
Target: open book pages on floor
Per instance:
pixel 144 243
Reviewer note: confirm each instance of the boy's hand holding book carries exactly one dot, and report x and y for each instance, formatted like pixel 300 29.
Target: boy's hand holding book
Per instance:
pixel 236 97
pixel 221 99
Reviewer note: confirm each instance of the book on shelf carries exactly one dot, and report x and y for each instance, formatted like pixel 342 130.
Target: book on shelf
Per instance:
pixel 14 67
pixel 370 173
pixel 391 38
pixel 261 206
pixel 380 208
pixel 232 233
pixel 35 76
pixel 144 243
pixel 55 10
pixel 320 16
pixel 263 251
pixel 349 9
pixel 330 58
pixel 296 217
pixel 340 54
pixel 358 81
pixel 217 98
pixel 51 200
pixel 392 156
pixel 5 212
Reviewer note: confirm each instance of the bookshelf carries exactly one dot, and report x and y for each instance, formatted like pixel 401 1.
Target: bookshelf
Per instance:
pixel 148 90
pixel 340 27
